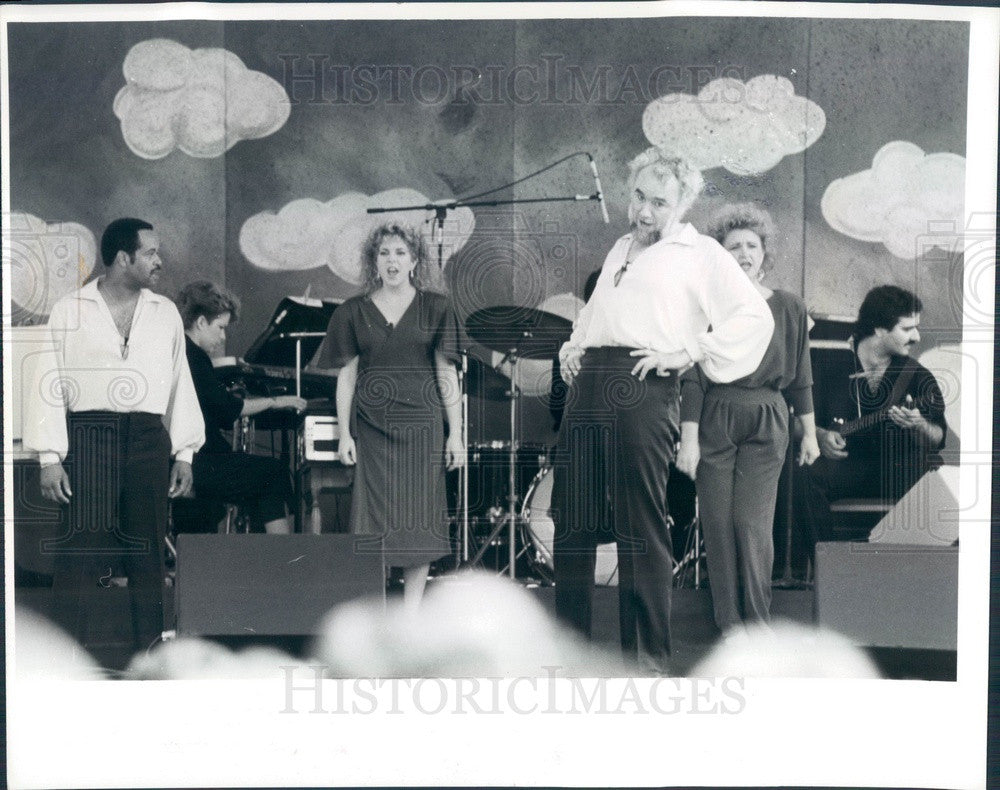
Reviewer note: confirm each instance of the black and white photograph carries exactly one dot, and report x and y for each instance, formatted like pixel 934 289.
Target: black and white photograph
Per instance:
pixel 498 394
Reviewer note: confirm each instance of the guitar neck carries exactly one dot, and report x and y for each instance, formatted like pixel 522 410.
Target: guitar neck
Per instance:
pixel 865 422
pixel 862 423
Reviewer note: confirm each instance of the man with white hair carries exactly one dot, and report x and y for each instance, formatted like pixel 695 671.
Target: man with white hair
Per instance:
pixel 667 297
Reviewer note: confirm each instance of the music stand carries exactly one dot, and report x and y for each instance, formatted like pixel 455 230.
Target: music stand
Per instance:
pixel 294 332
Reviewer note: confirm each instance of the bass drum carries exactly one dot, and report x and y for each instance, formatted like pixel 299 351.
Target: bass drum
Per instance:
pixel 537 521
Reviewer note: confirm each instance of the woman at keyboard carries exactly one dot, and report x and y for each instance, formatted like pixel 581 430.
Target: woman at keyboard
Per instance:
pixel 260 484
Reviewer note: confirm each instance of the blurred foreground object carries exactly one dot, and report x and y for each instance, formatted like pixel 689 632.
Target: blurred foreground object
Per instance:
pixel 785 650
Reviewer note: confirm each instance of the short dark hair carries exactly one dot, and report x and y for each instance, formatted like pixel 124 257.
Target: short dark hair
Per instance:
pixel 205 298
pixel 882 307
pixel 122 235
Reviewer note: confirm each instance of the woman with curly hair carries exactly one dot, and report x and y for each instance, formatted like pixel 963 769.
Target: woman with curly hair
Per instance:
pixel 735 436
pixel 397 346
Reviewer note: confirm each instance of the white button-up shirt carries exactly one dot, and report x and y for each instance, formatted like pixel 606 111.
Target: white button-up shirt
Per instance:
pixel 86 367
pixel 684 292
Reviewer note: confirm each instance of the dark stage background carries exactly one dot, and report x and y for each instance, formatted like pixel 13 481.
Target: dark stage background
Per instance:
pixel 547 88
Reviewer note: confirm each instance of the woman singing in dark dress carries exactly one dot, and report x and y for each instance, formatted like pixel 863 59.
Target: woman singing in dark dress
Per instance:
pixel 397 346
pixel 262 485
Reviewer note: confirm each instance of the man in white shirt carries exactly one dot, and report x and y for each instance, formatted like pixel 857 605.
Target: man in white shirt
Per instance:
pixel 667 297
pixel 113 401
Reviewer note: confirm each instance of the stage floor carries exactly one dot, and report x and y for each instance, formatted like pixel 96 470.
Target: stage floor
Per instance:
pixel 692 627
pixel 694 632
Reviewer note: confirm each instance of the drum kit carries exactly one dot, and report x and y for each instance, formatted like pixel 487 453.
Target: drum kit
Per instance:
pixel 493 518
pixel 497 472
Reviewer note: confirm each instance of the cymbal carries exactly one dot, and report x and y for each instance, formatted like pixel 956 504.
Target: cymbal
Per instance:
pixel 532 333
pixel 483 381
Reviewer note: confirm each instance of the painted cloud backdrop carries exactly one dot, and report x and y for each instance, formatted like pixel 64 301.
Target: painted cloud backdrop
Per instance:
pixel 48 260
pixel 747 128
pixel 202 101
pixel 308 233
pixel 908 200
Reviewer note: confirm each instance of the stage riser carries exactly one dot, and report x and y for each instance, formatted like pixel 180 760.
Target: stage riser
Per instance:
pixel 240 585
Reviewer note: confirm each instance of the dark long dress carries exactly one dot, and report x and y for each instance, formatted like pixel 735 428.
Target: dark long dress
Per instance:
pixel 398 423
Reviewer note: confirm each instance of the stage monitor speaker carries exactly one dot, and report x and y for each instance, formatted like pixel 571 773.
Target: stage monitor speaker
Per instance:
pixel 884 595
pixel 269 585
pixel 927 515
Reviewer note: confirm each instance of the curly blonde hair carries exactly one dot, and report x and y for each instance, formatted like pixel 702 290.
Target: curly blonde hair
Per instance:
pixel 744 216
pixel 425 276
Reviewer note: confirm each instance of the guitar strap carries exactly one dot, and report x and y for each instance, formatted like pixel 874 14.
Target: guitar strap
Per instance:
pixel 899 386
pixel 902 382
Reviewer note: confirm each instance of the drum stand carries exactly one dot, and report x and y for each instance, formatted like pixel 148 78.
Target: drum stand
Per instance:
pixel 694 554
pixel 510 522
pixel 463 472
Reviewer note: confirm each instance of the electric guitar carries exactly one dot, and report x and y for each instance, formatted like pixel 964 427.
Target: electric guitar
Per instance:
pixel 867 421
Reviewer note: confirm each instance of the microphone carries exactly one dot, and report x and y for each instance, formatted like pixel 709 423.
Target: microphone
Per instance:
pixel 600 192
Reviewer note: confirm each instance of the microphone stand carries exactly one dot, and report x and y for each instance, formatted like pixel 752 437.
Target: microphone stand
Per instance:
pixel 442 207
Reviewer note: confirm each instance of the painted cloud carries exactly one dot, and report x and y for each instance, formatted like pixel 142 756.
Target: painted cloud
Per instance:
pixel 908 200
pixel 47 260
pixel 202 101
pixel 746 128
pixel 308 233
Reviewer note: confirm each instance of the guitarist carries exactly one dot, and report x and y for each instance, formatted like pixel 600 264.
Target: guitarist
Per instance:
pixel 892 411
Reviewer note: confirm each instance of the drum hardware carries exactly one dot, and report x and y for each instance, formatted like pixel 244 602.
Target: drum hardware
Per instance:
pixel 479 380
pixel 463 472
pixel 529 333
pixel 484 381
pixel 536 521
pixel 510 522
pixel 515 332
pixel 690 564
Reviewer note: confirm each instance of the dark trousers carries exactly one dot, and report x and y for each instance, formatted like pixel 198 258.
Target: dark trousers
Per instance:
pixel 610 468
pixel 118 467
pixel 260 484
pixel 743 436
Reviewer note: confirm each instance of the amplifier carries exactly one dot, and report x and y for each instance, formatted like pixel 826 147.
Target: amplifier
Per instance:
pixel 318 439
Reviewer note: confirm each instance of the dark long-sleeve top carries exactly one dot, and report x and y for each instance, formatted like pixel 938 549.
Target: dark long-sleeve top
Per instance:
pixel 219 406
pixel 785 367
